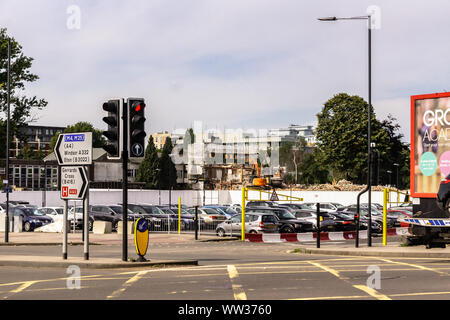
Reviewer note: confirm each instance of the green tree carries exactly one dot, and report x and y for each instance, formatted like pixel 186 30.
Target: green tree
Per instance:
pixel 342 137
pixel 98 141
pixel 22 106
pixel 342 140
pixel 292 155
pixel 168 170
pixel 30 154
pixel 313 170
pixel 148 170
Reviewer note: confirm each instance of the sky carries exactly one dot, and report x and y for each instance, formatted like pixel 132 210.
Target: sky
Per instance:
pixel 227 63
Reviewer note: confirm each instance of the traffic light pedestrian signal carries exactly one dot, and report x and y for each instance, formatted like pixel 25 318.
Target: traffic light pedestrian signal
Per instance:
pixel 136 127
pixel 113 134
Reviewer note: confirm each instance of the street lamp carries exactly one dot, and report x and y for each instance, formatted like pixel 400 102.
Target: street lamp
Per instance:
pixel 369 145
pixel 294 151
pixel 396 174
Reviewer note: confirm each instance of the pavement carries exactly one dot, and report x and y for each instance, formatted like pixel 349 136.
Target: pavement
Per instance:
pixel 75 239
pixel 394 249
pixel 52 239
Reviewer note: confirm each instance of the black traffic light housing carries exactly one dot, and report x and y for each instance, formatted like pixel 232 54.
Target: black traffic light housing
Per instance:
pixel 113 135
pixel 136 127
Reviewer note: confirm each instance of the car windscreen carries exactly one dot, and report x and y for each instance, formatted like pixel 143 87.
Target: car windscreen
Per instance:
pixel 31 212
pixel 284 214
pixel 211 211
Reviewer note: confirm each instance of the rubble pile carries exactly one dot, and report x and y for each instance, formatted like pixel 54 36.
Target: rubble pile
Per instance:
pixel 342 185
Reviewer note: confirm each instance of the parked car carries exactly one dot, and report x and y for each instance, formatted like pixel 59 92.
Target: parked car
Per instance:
pixel 269 204
pixel 326 206
pixel 75 216
pixel 110 213
pixel 32 218
pixel 288 223
pixel 377 216
pixel 254 223
pixel 187 219
pixel 157 219
pixel 298 206
pixel 227 211
pixel 209 215
pixel 52 211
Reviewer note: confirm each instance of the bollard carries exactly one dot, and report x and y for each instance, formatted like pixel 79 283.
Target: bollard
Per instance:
pixel 318 225
pixel 196 223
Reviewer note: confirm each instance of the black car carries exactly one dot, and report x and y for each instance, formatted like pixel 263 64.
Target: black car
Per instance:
pixel 443 196
pixel 297 206
pixel 339 222
pixel 288 223
pixel 187 219
pixel 157 219
pixel 377 216
pixel 268 204
pixel 105 213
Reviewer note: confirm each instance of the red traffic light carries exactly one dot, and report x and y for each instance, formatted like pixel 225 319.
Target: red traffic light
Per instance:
pixel 138 107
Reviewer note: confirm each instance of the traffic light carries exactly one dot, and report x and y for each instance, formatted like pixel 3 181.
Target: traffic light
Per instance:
pixel 113 134
pixel 136 127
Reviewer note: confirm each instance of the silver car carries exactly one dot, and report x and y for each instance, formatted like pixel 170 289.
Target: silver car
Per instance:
pixel 254 223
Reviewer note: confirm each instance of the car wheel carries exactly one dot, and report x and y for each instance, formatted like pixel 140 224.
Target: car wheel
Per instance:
pixel 447 206
pixel 287 229
pixel 253 231
pixel 27 226
pixel 220 232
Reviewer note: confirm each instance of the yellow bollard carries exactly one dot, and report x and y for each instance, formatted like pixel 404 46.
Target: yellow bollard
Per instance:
pixel 243 216
pixel 385 200
pixel 179 215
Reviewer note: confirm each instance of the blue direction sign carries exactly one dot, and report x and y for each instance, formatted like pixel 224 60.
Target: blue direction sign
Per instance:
pixel 137 150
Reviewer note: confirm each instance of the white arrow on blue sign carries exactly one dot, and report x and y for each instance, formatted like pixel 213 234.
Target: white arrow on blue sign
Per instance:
pixel 137 149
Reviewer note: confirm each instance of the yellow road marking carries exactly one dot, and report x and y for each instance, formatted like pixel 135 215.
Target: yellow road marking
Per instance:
pixel 19 289
pixel 329 298
pixel 328 269
pixel 239 293
pixel 414 266
pixel 374 293
pixel 127 284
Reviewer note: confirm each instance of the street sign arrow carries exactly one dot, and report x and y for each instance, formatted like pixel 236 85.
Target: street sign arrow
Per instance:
pixel 74 149
pixel 74 183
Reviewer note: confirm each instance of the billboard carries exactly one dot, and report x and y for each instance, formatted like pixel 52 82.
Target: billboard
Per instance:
pixel 430 143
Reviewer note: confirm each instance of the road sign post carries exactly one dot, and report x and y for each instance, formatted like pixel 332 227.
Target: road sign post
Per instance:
pixel 74 151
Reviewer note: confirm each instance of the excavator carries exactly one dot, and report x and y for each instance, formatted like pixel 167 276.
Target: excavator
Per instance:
pixel 264 183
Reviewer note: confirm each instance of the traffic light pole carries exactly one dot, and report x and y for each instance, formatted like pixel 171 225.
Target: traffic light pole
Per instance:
pixel 125 184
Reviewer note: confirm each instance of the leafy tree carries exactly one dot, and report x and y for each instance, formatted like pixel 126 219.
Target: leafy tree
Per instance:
pixel 22 106
pixel 313 170
pixel 168 170
pixel 148 170
pixel 292 155
pixel 98 141
pixel 28 153
pixel 342 139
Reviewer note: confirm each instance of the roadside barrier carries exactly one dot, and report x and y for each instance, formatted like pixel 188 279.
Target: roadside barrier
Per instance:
pixel 324 236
